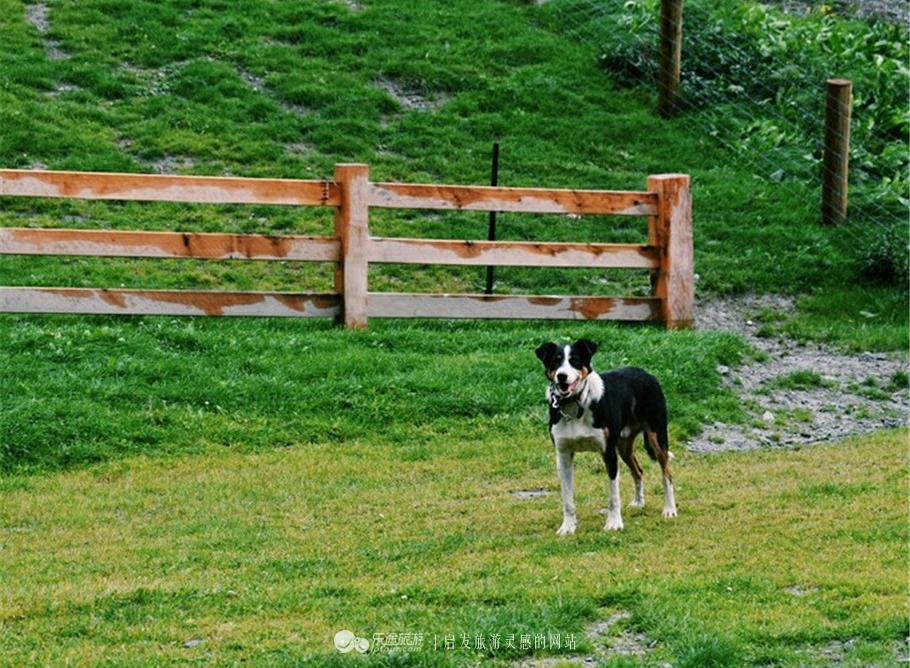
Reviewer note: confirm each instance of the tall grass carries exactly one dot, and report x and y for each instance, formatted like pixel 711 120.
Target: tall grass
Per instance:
pixel 83 390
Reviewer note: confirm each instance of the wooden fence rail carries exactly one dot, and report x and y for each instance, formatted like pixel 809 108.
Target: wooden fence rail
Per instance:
pixel 667 252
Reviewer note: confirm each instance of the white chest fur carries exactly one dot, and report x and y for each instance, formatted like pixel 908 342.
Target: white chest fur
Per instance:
pixel 578 435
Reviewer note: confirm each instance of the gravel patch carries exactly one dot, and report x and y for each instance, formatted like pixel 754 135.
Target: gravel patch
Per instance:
pixel 608 638
pixel 799 393
pixel 37 14
pixel 889 11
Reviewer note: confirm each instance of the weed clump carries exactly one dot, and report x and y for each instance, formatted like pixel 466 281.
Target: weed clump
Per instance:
pixel 886 257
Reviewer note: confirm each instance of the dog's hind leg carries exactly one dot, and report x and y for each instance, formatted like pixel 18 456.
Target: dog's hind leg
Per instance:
pixel 627 452
pixel 565 466
pixel 663 457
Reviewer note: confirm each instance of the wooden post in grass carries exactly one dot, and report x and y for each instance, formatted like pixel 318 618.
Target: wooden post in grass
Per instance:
pixel 671 18
pixel 352 230
pixel 670 231
pixel 837 151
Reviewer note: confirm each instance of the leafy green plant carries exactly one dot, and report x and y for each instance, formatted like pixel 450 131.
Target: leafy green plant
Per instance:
pixel 886 255
pixel 757 75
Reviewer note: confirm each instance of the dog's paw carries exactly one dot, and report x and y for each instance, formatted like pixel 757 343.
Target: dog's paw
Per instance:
pixel 670 512
pixel 567 529
pixel 637 503
pixel 614 523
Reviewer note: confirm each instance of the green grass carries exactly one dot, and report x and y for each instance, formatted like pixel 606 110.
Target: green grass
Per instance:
pixel 290 89
pixel 857 317
pixel 800 380
pixel 184 491
pixel 90 389
pixel 228 557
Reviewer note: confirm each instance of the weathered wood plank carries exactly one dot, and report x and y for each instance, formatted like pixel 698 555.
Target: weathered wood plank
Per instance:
pixel 520 307
pixel 524 200
pixel 672 229
pixel 168 302
pixel 352 227
pixel 668 251
pixel 113 243
pixel 509 253
pixel 166 188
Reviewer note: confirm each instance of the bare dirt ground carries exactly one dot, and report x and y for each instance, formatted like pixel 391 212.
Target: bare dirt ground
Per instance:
pixel 800 393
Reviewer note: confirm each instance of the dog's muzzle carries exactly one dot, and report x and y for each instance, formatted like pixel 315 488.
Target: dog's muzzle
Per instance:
pixel 564 388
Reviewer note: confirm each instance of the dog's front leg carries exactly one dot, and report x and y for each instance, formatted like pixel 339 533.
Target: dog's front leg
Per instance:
pixel 565 466
pixel 669 498
pixel 614 507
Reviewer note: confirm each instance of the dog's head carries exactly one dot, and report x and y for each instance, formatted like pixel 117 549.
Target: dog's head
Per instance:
pixel 567 366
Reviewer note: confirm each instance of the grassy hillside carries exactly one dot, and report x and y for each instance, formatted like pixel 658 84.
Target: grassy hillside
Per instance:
pixel 419 91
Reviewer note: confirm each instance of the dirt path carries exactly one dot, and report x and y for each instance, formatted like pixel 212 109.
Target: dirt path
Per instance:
pixel 798 393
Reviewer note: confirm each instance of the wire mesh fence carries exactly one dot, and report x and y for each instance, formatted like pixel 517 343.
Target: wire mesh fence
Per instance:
pixel 754 78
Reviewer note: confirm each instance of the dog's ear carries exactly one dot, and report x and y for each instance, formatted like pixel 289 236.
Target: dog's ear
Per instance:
pixel 588 346
pixel 544 351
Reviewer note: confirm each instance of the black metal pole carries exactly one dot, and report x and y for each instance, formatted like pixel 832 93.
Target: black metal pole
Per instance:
pixel 491 234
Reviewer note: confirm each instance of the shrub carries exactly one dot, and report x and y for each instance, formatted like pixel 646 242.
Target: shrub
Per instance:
pixel 886 257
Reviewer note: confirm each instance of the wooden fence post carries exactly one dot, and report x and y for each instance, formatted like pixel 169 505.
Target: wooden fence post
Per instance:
pixel 671 232
pixel 352 230
pixel 837 151
pixel 671 19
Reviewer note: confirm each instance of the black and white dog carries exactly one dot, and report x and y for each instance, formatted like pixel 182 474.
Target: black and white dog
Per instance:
pixel 592 412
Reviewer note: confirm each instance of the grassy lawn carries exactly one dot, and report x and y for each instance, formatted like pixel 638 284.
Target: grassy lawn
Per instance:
pixel 86 390
pixel 232 491
pixel 225 558
pixel 236 492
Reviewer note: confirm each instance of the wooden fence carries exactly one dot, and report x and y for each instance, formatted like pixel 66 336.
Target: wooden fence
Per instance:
pixel 667 252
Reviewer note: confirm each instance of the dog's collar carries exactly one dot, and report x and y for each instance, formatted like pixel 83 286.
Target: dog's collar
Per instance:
pixel 560 404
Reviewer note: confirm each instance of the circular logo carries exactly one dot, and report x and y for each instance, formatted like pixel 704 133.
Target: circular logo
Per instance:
pixel 345 641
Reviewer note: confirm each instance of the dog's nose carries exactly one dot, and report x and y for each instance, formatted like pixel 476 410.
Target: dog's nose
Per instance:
pixel 561 377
